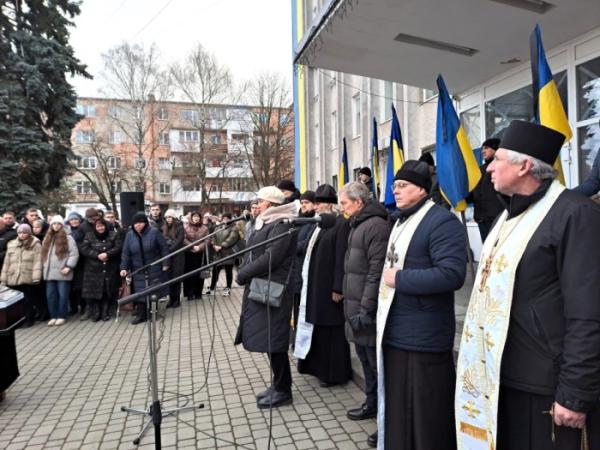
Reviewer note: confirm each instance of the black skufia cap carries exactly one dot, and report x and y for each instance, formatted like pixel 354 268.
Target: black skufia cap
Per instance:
pixel 325 194
pixel 308 195
pixel 534 140
pixel 491 143
pixel 417 172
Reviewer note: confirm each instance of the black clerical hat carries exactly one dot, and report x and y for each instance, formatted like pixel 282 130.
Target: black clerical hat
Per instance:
pixel 417 172
pixel 325 193
pixel 534 140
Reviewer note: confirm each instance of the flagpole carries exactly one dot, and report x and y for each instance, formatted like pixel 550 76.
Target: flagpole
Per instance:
pixel 469 251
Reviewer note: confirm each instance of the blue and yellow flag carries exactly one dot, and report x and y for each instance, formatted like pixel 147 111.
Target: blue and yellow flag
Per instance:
pixel 395 160
pixel 457 169
pixel 547 106
pixel 375 162
pixel 343 177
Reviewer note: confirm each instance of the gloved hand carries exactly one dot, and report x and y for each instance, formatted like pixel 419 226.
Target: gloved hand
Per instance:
pixel 360 322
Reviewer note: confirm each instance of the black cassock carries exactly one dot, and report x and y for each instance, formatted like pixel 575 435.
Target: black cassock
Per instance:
pixel 9 368
pixel 552 351
pixel 329 355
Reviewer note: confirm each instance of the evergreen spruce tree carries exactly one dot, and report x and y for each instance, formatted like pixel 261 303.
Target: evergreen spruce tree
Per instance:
pixel 37 104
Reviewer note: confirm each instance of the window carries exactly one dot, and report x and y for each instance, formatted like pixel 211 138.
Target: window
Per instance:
pixel 115 137
pixel 191 186
pixel 190 115
pixel 164 163
pixel 83 187
pixel 164 188
pixel 85 137
pixel 115 187
pixel 140 163
pixel 114 162
pixel 215 163
pixel 356 119
pixel 263 117
pixel 114 112
pixel 86 162
pixel 588 112
pixel 427 94
pixel 471 121
pixel 188 136
pixel 334 181
pixel 283 119
pixel 216 139
pixel 86 110
pixel 163 138
pixel 163 114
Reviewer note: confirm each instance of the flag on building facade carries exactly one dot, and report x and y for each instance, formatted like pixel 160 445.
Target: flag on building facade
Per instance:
pixel 375 163
pixel 395 160
pixel 343 177
pixel 548 109
pixel 457 169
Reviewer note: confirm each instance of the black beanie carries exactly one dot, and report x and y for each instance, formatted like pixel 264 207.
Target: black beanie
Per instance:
pixel 325 194
pixel 491 143
pixel 534 140
pixel 416 172
pixel 427 158
pixel 139 217
pixel 286 185
pixel 308 195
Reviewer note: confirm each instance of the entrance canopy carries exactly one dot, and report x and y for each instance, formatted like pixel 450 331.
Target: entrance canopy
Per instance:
pixel 411 41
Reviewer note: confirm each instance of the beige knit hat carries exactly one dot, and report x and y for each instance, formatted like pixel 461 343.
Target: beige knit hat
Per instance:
pixel 171 213
pixel 271 194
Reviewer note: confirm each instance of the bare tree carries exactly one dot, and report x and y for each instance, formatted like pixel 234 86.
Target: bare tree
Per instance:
pixel 136 82
pixel 270 149
pixel 206 84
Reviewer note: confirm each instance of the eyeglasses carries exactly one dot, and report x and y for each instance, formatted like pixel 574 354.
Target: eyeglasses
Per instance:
pixel 401 184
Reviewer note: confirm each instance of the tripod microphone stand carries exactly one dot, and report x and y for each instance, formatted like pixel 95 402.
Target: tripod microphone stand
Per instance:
pixel 154 412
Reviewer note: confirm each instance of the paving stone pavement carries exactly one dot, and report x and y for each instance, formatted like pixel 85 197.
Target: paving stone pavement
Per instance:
pixel 75 378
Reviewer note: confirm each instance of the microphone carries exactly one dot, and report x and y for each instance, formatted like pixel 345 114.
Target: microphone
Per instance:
pixel 323 221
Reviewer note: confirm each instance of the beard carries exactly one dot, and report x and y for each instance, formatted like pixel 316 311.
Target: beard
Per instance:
pixel 307 214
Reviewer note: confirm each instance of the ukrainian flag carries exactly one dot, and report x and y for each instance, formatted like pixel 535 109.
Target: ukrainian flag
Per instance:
pixel 395 160
pixel 375 163
pixel 548 107
pixel 457 169
pixel 343 177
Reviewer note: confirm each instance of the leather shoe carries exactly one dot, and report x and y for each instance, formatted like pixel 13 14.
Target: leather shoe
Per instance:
pixel 362 413
pixel 137 319
pixel 372 440
pixel 263 393
pixel 275 400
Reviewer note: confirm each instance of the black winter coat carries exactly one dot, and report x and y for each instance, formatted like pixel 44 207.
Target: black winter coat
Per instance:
pixel 139 250
pixel 487 205
pixel 363 264
pixel 100 277
pixel 175 242
pixel 421 316
pixel 5 236
pixel 304 234
pixel 252 330
pixel 326 275
pixel 553 342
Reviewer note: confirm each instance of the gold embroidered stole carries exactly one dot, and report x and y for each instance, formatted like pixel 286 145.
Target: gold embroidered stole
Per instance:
pixel 486 324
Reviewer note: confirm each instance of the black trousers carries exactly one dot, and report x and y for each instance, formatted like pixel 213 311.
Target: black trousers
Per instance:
pixel 215 276
pixel 282 375
pixel 523 424
pixel 29 299
pixel 419 400
pixel 368 361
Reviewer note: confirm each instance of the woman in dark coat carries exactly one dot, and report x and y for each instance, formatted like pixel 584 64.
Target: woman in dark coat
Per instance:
pixel 101 249
pixel 329 356
pixel 172 230
pixel 196 256
pixel 143 245
pixel 256 321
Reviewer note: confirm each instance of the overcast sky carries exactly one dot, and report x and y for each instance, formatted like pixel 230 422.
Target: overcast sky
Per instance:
pixel 249 36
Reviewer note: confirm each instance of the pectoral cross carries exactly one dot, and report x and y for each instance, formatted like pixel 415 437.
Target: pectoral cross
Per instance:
pixel 489 343
pixel 501 264
pixel 485 272
pixel 391 256
pixel 468 334
pixel 471 410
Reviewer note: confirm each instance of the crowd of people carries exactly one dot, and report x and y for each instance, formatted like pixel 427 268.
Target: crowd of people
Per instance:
pixel 528 370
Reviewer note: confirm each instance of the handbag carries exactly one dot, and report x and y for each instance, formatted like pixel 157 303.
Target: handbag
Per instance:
pixel 259 288
pixel 207 273
pixel 124 291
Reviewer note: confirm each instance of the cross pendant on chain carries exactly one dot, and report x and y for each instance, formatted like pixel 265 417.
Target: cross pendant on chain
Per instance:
pixel 391 256
pixel 485 272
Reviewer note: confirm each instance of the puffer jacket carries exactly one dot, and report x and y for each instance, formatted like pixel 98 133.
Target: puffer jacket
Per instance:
pixel 363 264
pixel 22 265
pixel 226 239
pixel 53 265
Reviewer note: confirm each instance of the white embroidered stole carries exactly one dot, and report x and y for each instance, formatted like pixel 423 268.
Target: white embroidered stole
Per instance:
pixel 486 324
pixel 397 247
pixel 304 329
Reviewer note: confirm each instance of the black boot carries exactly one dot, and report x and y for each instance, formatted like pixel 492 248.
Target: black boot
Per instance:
pixel 88 311
pixel 105 311
pixel 97 313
